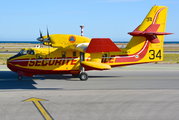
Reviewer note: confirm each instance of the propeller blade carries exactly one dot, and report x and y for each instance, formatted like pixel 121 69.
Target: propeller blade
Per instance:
pixel 47 32
pixel 40 34
pixel 48 37
pixel 41 37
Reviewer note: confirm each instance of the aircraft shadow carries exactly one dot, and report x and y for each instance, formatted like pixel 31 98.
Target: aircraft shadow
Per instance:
pixel 8 80
pixel 70 78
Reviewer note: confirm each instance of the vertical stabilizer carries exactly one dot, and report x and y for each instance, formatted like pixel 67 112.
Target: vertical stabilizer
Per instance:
pixel 152 28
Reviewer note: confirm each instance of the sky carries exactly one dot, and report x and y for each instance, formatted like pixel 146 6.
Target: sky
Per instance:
pixel 21 19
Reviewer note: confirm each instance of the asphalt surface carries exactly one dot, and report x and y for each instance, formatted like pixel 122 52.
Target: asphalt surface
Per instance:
pixel 140 92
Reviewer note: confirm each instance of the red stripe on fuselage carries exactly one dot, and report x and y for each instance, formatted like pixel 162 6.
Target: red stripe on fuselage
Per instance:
pixel 21 62
pixel 38 72
pixel 129 58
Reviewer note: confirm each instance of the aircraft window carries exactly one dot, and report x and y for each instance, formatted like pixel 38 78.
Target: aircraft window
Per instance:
pixel 31 52
pixel 63 54
pixel 40 57
pixel 25 52
pixel 105 55
pixel 74 54
pixel 21 51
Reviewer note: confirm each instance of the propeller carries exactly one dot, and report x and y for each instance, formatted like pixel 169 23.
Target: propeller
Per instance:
pixel 40 38
pixel 45 40
pixel 48 37
pixel 48 41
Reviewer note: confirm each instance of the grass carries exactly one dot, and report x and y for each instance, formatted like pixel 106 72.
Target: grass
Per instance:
pixel 171 48
pixel 3 58
pixel 10 49
pixel 171 58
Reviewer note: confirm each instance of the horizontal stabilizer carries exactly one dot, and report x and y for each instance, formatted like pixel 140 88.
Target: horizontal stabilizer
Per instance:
pixel 102 45
pixel 150 33
pixel 152 28
pixel 89 65
pixel 157 33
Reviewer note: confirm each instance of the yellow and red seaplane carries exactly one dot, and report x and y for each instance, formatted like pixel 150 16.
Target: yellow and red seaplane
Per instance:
pixel 74 54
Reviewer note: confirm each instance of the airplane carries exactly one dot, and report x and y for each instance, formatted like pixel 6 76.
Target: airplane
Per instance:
pixel 74 54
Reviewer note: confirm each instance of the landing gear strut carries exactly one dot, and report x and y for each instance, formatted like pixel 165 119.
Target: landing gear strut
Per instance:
pixel 19 77
pixel 83 76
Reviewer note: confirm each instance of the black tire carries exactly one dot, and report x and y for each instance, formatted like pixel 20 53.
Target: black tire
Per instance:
pixel 83 76
pixel 75 75
pixel 19 77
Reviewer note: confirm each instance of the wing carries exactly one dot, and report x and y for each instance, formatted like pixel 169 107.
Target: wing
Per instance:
pixel 95 48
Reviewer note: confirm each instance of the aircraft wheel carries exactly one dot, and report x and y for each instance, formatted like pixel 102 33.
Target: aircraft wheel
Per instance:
pixel 83 76
pixel 75 75
pixel 19 77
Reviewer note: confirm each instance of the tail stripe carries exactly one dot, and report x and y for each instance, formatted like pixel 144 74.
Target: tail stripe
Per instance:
pixel 156 15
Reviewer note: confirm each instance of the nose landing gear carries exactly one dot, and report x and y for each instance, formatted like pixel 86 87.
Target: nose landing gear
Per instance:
pixel 19 77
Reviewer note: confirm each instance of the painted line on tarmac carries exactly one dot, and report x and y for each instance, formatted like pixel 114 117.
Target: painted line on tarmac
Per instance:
pixel 40 107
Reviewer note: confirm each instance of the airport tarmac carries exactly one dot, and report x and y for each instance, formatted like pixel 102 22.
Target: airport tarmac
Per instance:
pixel 138 92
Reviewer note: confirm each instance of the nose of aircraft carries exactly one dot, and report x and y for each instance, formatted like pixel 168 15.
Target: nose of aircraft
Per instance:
pixel 17 55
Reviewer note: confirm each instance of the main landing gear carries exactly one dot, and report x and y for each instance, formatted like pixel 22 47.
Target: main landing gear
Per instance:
pixel 82 75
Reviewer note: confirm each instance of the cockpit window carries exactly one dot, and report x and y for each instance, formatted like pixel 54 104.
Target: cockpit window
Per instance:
pixel 25 52
pixel 21 51
pixel 31 52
